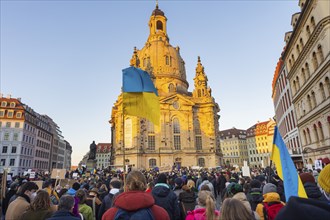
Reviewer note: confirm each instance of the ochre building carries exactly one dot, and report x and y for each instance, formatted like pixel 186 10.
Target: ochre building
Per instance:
pixel 189 128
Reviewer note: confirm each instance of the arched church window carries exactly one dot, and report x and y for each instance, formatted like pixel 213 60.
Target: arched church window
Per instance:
pixel 201 162
pixel 159 25
pixel 167 60
pixel 152 163
pixel 176 134
pixel 198 135
pixel 171 87
pixel 199 93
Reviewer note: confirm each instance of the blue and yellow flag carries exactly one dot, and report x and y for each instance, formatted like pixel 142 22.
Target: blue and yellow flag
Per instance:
pixel 140 97
pixel 286 169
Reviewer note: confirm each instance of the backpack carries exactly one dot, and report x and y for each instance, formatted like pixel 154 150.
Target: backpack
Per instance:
pixel 144 214
pixel 271 209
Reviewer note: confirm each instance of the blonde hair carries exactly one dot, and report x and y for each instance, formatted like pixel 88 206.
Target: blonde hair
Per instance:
pixel 136 181
pixel 191 184
pixel 233 209
pixel 206 199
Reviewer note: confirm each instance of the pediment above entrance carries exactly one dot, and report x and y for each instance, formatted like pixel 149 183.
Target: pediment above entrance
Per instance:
pixel 176 99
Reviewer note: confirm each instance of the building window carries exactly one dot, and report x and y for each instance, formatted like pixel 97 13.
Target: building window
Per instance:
pixel 321 131
pixel 2 113
pixel 309 101
pixel 298 49
pixel 3 104
pixel 3 162
pixel 315 62
pixel 201 162
pixel 301 43
pixel 313 99
pixel 303 74
pixel 152 163
pixel 322 91
pixel 15 137
pixel 316 134
pixel 12 162
pixel 6 137
pixel 198 140
pixel 313 22
pixel 308 31
pixel 151 142
pixel 16 124
pixel 305 137
pixel 13 150
pixel 298 82
pixel 4 149
pixel 159 25
pixel 18 114
pixel 171 87
pixel 8 124
pixel 176 134
pixel 198 135
pixel 12 105
pixel 327 83
pixel 10 114
pixel 320 53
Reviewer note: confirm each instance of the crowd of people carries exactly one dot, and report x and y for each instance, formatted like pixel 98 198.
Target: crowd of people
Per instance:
pixel 177 195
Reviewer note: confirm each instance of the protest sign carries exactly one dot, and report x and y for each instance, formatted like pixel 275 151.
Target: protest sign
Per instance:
pixel 58 174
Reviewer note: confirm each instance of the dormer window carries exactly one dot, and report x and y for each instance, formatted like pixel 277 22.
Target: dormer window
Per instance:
pixel 18 114
pixel 12 105
pixel 159 25
pixel 3 104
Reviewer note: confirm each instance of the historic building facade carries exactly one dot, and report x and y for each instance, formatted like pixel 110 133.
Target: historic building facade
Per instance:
pixel 285 114
pixel 233 146
pixel 189 129
pixel 26 138
pixel 307 62
pixel 103 154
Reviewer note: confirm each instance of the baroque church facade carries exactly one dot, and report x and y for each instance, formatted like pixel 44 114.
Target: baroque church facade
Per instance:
pixel 188 134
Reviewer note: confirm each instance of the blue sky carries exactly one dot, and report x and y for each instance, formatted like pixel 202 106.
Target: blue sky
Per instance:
pixel 64 58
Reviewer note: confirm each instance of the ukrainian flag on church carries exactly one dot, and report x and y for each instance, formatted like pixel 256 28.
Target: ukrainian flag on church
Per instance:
pixel 286 169
pixel 140 97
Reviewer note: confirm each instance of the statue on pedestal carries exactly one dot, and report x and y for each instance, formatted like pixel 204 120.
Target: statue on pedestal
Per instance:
pixel 92 151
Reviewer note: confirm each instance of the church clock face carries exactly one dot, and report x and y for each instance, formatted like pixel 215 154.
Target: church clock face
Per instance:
pixel 176 105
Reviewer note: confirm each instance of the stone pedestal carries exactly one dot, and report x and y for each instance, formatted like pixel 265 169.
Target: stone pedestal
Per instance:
pixel 91 164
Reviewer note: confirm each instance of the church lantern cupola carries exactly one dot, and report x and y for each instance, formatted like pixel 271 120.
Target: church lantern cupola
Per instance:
pixel 157 26
pixel 200 82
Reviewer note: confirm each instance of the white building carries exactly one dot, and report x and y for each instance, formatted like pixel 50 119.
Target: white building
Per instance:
pixel 103 154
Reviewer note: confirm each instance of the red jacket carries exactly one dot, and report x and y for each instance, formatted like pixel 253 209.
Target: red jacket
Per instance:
pixel 134 200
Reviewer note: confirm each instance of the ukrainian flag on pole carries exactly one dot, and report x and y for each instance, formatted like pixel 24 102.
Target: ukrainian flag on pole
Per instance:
pixel 140 97
pixel 286 169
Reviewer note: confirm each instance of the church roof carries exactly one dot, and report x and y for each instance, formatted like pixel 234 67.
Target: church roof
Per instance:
pixel 157 11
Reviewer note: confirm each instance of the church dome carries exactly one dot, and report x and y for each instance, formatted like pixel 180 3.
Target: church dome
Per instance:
pixel 161 59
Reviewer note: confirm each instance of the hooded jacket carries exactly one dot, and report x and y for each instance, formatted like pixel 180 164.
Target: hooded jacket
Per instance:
pixel 166 198
pixel 63 215
pixel 17 208
pixel 187 202
pixel 255 197
pixel 133 201
pixel 268 197
pixel 313 191
pixel 242 197
pixel 107 202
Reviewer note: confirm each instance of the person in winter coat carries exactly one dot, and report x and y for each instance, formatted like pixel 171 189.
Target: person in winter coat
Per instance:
pixel 94 202
pixel 39 208
pixel 187 201
pixel 242 197
pixel 178 186
pixel 22 202
pixel 234 209
pixel 270 196
pixel 165 197
pixel 12 191
pixel 208 183
pixel 205 210
pixel 135 200
pixel 254 196
pixel 312 190
pixel 72 192
pixel 84 209
pixel 221 183
pixel 107 202
pixel 65 209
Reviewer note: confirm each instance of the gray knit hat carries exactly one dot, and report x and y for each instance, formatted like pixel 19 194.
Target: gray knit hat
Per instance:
pixel 269 187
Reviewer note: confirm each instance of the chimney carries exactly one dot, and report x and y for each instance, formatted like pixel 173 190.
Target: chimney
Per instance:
pixel 8 96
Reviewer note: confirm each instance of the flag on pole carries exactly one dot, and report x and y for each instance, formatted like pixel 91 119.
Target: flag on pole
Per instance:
pixel 286 169
pixel 140 97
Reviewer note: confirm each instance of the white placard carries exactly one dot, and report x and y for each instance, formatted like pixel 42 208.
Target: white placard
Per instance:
pixel 245 163
pixel 9 178
pixel 309 166
pixel 32 175
pixel 318 164
pixel 74 175
pixel 246 171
